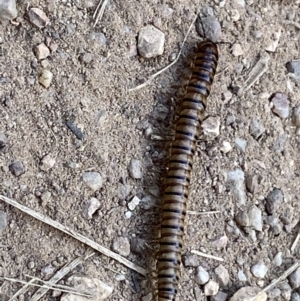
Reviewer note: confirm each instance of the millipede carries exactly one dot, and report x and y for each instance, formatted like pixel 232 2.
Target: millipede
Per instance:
pixel 180 166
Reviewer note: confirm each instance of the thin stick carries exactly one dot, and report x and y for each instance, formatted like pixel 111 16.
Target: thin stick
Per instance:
pixel 98 14
pixel 66 290
pixel 207 255
pixel 282 277
pixel 55 278
pixel 71 232
pixel 168 66
pixel 22 290
pixel 202 212
pixel 295 242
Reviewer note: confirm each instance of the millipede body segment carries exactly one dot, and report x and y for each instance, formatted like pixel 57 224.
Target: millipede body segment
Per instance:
pixel 180 167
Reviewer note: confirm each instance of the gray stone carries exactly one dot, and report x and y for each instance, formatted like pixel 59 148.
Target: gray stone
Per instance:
pixel 240 144
pixel 255 218
pixel 123 191
pixel 235 182
pixel 220 296
pixel 256 129
pixel 222 275
pixel 280 104
pixel 48 270
pixel 201 276
pixel 121 246
pixel 259 270
pixel 277 260
pixel 211 288
pixel 8 10
pixel 150 42
pixel 135 169
pixel 294 279
pixel 3 138
pixel 47 162
pixel 91 206
pixel 190 260
pixel 17 168
pixel 274 223
pixel 274 200
pixel 160 112
pixel 98 37
pixel 241 276
pixel 37 17
pixel 93 180
pixel 296 116
pixel 3 220
pixel 209 27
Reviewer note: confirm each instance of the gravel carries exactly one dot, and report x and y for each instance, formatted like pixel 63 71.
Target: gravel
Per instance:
pixel 92 180
pixel 259 270
pixel 274 200
pixel 17 168
pixel 280 105
pixel 235 182
pixel 222 275
pixel 135 169
pixel 121 246
pixel 211 288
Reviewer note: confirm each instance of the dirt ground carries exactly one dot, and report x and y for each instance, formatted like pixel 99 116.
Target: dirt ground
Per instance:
pixel 91 78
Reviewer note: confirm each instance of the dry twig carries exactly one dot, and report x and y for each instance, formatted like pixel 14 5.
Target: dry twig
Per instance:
pixel 207 255
pixel 71 232
pixel 295 242
pixel 22 290
pixel 168 66
pixel 99 11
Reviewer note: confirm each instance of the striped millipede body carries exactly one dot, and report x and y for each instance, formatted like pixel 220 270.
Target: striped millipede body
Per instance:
pixel 179 170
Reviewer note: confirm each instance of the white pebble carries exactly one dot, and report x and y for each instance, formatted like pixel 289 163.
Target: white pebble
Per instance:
pixel 241 276
pixel 135 169
pixel 226 147
pixel 237 50
pixel 92 179
pixel 211 127
pixel 211 288
pixel 202 276
pixel 128 214
pixel 133 203
pixel 45 78
pixel 259 270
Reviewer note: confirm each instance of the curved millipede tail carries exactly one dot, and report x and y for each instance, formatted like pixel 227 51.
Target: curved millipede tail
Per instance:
pixel 180 166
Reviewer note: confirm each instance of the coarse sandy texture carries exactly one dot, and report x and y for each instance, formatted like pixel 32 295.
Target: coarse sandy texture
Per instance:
pixel 94 93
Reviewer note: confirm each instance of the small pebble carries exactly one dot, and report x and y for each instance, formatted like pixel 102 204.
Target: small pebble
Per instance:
pixel 220 296
pixel 37 17
pixel 219 242
pixel 128 214
pixel 3 220
pixel 86 58
pixel 47 162
pixel 249 293
pixel 123 191
pixel 294 279
pixel 211 127
pixel 45 197
pixel 3 140
pixel 135 169
pixel 252 183
pixel 274 293
pixel 279 144
pixel 255 218
pixel 31 265
pixel 197 293
pixel 91 206
pixel 294 68
pixel 256 129
pixel 274 223
pixel 8 10
pixel 295 116
pixel 222 275
pixel 256 34
pixel 240 144
pixel 211 288
pixel 274 200
pixel 148 297
pixel 202 276
pixel 234 15
pixel 98 37
pixel 235 182
pixel 190 260
pixel 93 180
pixel 150 42
pixel 295 296
pixel 138 245
pixel 133 203
pixel 241 276
pixel 121 246
pixel 45 78
pixel 75 129
pixel 17 168
pixel 120 277
pixel 280 105
pixel 277 260
pixel 160 112
pixel 41 51
pixel 259 270
pixel 274 42
pixel 148 202
pixel 209 27
pixel 237 50
pixel 226 96
pixel 226 147
pixel 242 219
pixel 48 270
